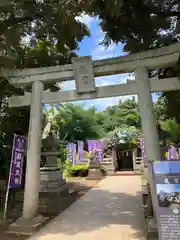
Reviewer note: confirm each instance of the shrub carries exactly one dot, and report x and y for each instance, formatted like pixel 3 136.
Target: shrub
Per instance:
pixel 62 156
pixel 79 170
pixel 70 170
pixel 86 155
pixel 67 169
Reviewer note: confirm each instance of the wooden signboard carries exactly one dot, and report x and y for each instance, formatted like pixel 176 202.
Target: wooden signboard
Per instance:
pixel 84 77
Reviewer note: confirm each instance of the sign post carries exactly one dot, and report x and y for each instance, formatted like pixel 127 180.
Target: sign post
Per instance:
pixel 166 176
pixel 16 168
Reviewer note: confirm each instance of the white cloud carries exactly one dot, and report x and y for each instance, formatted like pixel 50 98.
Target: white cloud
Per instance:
pixel 101 52
pixel 102 104
pixel 111 80
pixel 131 77
pixel 68 85
pixel 86 19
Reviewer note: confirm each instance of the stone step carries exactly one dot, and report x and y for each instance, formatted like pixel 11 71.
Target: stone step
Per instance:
pixel 108 168
pixel 107 159
pixel 106 163
pixel 110 172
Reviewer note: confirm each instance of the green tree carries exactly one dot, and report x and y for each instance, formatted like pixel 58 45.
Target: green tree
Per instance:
pixel 127 23
pixel 160 109
pixel 53 22
pixel 72 123
pixel 124 134
pixel 53 33
pixel 11 121
pixel 126 112
pixel 173 128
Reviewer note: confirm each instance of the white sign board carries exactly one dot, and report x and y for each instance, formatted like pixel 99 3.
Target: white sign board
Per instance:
pixel 84 77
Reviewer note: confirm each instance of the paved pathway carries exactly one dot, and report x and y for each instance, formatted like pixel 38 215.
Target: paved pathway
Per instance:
pixel 113 210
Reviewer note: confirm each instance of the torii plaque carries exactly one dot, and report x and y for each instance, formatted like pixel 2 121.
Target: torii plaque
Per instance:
pixel 84 77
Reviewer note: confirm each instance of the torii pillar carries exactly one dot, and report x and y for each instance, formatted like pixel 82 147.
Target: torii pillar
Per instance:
pixel 30 219
pixel 31 196
pixel 148 120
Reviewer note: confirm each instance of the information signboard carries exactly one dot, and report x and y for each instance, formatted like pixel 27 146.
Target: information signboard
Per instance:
pixel 166 176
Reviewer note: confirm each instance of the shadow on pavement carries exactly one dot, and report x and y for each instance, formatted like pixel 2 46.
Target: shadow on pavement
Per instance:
pixel 100 208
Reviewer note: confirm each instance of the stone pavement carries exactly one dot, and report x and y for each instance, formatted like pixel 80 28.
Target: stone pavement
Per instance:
pixel 113 210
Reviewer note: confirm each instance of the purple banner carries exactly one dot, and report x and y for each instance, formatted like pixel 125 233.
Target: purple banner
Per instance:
pixel 172 153
pixel 71 152
pixel 98 146
pixel 142 149
pixel 17 161
pixel 91 145
pixel 80 151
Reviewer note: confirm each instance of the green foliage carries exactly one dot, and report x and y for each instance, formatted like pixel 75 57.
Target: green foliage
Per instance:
pixel 80 167
pixel 52 27
pixel 126 112
pixel 126 22
pixel 86 155
pixel 67 169
pixel 73 122
pixel 124 134
pixel 75 170
pixel 79 170
pixel 53 33
pixel 62 156
pixel 11 121
pixel 173 128
pixel 172 104
pixel 160 109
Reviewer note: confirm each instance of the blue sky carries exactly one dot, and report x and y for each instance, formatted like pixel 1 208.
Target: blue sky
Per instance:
pixel 90 46
pixel 168 188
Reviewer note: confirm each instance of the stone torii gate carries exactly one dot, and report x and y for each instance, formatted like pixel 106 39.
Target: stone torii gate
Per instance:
pixel 83 70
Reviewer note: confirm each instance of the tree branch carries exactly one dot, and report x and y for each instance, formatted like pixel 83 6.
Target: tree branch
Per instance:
pixel 16 20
